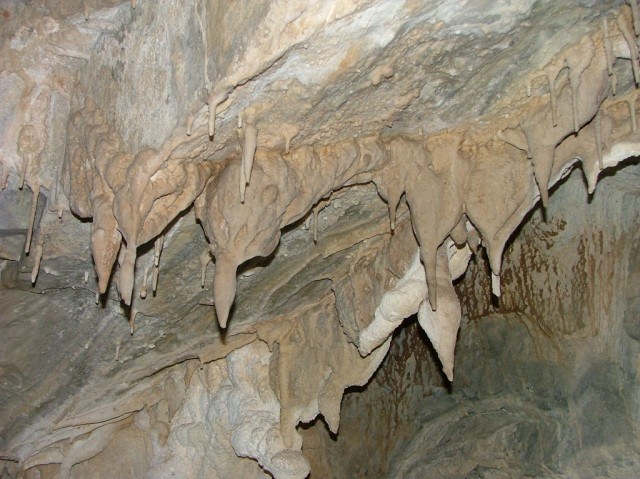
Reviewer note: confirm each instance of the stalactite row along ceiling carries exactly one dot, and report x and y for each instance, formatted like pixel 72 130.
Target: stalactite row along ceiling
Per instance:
pixel 343 159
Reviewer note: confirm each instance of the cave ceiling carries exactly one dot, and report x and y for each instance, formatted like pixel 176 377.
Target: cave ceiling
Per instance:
pixel 185 180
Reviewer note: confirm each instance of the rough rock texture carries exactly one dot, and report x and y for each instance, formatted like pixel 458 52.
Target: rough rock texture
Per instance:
pixel 340 163
pixel 535 394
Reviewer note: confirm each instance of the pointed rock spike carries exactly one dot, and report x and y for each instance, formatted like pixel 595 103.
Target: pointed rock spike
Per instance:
pixel 551 80
pixel 143 290
pixel 574 103
pixel 629 37
pixel 127 274
pixel 117 356
pixel 159 243
pixel 249 150
pixel 85 9
pixel 392 217
pixel 216 96
pixel 36 266
pixel 608 51
pixel 429 262
pixel 32 217
pixel 205 259
pixel 132 321
pixel 224 288
pixel 474 240
pixel 598 133
pixel 315 224
pixel 495 284
pixel 156 274
pixel 190 119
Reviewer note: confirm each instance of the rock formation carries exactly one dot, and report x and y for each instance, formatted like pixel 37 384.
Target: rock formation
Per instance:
pixel 155 137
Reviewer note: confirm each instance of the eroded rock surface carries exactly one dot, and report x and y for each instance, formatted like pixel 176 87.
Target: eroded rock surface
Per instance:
pixel 340 163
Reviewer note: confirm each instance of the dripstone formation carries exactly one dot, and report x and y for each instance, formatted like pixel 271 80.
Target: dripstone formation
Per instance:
pixel 217 217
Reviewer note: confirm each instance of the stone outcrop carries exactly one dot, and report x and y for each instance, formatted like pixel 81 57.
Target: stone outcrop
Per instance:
pixel 159 137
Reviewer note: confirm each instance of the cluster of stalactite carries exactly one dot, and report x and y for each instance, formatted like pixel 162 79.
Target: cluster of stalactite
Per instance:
pixel 465 187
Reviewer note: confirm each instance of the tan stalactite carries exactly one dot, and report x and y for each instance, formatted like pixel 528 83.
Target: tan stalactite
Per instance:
pixel 630 39
pixel 473 238
pixel 132 321
pixel 598 138
pixel 541 140
pixel 157 250
pixel 32 218
pixel 217 95
pixel 459 233
pixel 134 4
pixel 145 277
pixel 442 325
pixel 224 288
pixel 134 202
pixel 315 224
pixel 154 281
pixel 282 192
pixel 495 285
pixel 551 80
pixel 578 61
pixel 85 9
pixel 435 216
pixel 36 261
pixel 289 132
pixel 205 259
pixel 606 41
pixel 249 148
pixel 118 345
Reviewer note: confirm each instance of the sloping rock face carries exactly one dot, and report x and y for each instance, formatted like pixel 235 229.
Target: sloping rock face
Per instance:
pixel 216 214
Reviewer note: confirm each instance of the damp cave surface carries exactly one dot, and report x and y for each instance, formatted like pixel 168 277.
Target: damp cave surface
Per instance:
pixel 319 239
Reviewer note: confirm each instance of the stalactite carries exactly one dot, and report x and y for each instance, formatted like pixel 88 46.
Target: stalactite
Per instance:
pixel 249 149
pixel 629 37
pixel 551 79
pixel 154 282
pixel 607 45
pixel 143 290
pixel 217 95
pixel 598 135
pixel 32 217
pixel 117 355
pixel 157 250
pixel 37 259
pixel 205 259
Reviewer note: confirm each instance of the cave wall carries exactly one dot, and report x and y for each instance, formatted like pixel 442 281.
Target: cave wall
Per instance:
pixel 547 375
pixel 212 225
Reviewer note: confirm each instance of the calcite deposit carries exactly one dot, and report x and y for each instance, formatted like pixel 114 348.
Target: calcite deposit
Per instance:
pixel 342 164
